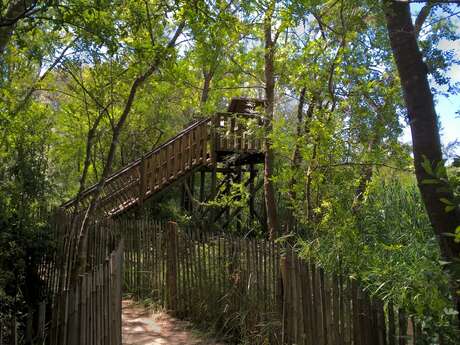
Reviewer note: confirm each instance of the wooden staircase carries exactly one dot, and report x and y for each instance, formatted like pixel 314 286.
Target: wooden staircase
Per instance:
pixel 201 145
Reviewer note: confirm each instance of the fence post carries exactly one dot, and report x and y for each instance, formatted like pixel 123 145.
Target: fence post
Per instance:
pixel 284 297
pixel 171 267
pixel 41 320
pixel 141 184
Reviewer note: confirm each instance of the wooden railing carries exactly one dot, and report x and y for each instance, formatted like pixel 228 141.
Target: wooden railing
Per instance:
pixel 234 132
pixel 197 145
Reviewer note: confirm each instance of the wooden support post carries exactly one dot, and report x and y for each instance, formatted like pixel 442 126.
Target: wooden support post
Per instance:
pixel 228 184
pixel 141 182
pixel 283 302
pixel 41 321
pixel 191 183
pixel 402 327
pixel 213 181
pixel 391 325
pixel 214 143
pixel 141 191
pixel 252 176
pixel 202 184
pixel 183 196
pixel 239 218
pixel 171 268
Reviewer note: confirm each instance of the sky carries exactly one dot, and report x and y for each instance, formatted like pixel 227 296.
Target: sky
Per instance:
pixel 446 107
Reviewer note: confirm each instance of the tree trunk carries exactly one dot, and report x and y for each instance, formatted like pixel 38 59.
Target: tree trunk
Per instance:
pixel 423 123
pixel 16 10
pixel 296 158
pixel 270 202
pixel 206 87
pixel 367 170
pixel 82 241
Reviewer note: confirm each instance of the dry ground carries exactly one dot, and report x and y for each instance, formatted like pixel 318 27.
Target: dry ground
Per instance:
pixel 142 326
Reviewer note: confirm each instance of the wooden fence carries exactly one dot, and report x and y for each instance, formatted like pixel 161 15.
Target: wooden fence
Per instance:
pixel 57 265
pixel 89 313
pixel 255 289
pixel 212 279
pixel 331 309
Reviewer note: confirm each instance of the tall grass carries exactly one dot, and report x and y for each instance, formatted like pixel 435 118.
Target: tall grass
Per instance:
pixel 390 246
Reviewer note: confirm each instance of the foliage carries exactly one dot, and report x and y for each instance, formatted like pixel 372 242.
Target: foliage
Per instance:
pixel 341 171
pixel 24 235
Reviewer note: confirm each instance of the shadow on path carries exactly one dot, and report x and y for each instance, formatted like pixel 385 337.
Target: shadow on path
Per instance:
pixel 142 326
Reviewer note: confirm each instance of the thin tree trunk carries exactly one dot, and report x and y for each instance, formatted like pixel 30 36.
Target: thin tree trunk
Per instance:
pixel 308 189
pixel 296 161
pixel 296 157
pixel 366 170
pixel 423 123
pixel 89 145
pixel 206 86
pixel 138 82
pixel 74 224
pixel 270 202
pixel 16 10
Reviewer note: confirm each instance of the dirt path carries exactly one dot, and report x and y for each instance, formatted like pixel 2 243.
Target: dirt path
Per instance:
pixel 145 327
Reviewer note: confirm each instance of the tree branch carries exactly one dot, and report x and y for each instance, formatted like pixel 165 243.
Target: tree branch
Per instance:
pixel 16 10
pixel 137 83
pixel 32 89
pixel 421 18
pixel 344 164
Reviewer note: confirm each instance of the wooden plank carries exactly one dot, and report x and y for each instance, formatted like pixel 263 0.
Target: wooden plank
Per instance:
pixel 296 317
pixel 171 282
pixel 113 297
pixel 142 182
pixel 347 312
pixel 309 325
pixel 356 314
pixel 328 317
pixel 190 150
pixel 119 291
pixel 71 323
pixel 300 298
pixel 324 311
pixel 189 274
pixel 391 325
pixel 402 327
pixel 336 310
pixel 381 336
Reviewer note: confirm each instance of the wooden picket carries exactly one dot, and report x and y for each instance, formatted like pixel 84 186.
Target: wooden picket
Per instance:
pixel 246 287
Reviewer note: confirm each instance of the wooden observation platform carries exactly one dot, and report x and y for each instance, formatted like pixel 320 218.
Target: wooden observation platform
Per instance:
pixel 224 138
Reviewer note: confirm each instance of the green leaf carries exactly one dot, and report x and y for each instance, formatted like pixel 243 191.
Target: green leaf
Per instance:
pixel 446 201
pixel 449 208
pixel 430 181
pixel 426 165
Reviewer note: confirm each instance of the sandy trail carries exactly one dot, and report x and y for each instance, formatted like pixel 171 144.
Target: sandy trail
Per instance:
pixel 145 327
